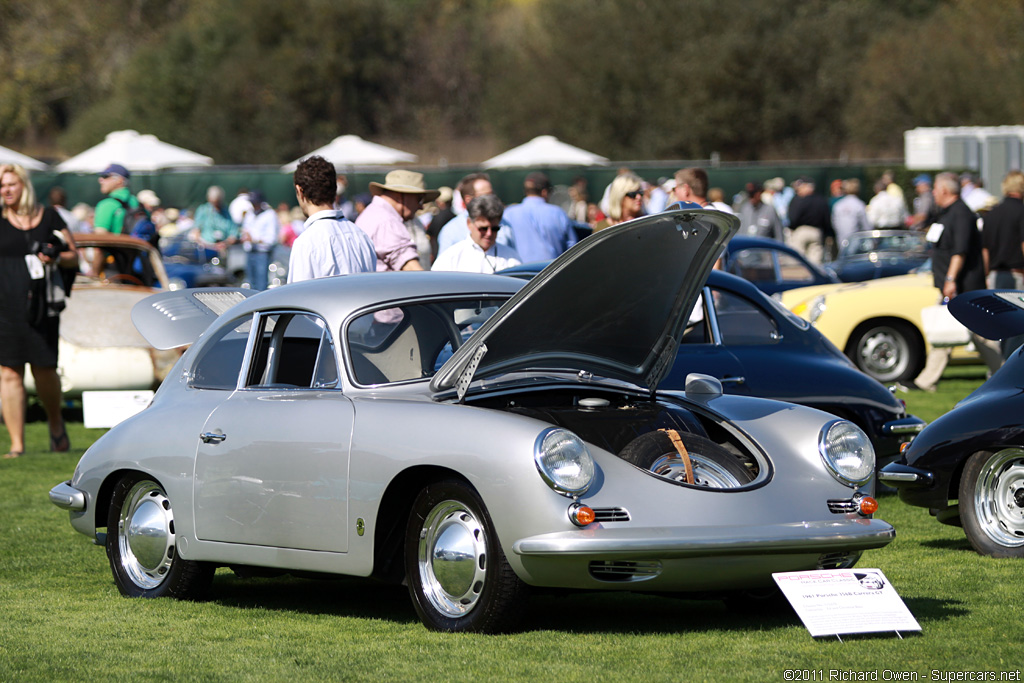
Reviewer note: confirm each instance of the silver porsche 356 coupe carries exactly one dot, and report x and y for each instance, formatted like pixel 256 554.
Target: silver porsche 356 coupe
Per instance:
pixel 471 436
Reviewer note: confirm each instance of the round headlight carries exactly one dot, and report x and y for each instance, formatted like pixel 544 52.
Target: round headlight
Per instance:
pixel 563 461
pixel 847 452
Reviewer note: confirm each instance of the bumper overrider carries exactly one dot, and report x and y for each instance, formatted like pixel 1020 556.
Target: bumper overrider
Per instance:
pixel 902 476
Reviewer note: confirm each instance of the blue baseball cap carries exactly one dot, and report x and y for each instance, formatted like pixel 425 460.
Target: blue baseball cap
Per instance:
pixel 923 178
pixel 116 169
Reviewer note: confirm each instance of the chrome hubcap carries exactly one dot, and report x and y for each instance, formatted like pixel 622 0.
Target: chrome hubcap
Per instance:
pixel 999 498
pixel 452 558
pixel 707 473
pixel 884 354
pixel 145 535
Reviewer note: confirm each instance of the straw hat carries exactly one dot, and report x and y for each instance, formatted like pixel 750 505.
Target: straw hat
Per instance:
pixel 404 182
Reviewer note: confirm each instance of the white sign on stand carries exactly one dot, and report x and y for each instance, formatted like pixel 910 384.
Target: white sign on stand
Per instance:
pixel 104 409
pixel 831 602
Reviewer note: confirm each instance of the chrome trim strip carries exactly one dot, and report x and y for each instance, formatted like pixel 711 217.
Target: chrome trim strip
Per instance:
pixel 67 497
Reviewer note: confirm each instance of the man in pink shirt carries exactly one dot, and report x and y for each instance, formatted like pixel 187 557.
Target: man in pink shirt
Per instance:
pixel 395 201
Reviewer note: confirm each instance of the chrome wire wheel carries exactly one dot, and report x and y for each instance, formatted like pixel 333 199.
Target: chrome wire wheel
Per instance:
pixel 452 558
pixel 999 498
pixel 145 535
pixel 706 472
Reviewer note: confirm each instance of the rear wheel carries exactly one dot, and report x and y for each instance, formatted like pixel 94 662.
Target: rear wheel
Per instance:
pixel 712 465
pixel 888 350
pixel 992 502
pixel 459 578
pixel 141 545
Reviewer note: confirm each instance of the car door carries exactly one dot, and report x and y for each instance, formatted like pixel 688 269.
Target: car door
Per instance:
pixel 272 459
pixel 701 350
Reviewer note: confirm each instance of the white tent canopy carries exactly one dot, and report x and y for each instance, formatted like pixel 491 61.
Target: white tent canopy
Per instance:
pixel 352 150
pixel 545 150
pixel 9 156
pixel 135 152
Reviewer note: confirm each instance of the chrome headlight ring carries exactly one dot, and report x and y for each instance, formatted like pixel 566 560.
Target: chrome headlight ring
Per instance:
pixel 564 462
pixel 847 452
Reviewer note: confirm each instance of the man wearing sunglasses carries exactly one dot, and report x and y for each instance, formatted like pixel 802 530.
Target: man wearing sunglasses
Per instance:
pixel 480 252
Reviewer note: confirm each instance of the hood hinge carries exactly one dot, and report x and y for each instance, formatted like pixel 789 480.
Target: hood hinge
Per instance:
pixel 662 364
pixel 466 376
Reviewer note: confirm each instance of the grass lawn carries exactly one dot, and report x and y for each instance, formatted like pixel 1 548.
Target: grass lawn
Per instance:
pixel 61 618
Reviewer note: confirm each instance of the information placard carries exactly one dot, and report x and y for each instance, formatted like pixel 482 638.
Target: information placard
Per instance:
pixel 831 602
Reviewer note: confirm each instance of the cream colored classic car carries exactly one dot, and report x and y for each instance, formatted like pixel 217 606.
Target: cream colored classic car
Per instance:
pixel 100 349
pixel 876 323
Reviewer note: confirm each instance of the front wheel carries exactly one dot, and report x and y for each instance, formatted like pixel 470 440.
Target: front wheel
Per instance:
pixel 889 351
pixel 141 545
pixel 992 502
pixel 459 578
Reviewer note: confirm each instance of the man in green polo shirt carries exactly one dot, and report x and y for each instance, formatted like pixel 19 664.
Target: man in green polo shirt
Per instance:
pixel 110 211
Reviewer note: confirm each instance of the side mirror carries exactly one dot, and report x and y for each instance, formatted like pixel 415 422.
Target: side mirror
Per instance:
pixel 702 387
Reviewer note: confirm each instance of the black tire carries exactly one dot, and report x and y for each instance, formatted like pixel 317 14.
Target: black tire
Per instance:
pixel 992 502
pixel 888 350
pixel 470 588
pixel 713 466
pixel 141 545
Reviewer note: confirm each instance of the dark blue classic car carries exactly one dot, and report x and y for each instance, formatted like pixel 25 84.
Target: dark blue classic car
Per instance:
pixel 880 253
pixel 967 467
pixel 756 347
pixel 771 265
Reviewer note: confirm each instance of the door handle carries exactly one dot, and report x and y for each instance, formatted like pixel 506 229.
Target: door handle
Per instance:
pixel 212 437
pixel 733 380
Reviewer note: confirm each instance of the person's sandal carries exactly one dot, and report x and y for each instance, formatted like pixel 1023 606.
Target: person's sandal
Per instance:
pixel 60 443
pixel 13 454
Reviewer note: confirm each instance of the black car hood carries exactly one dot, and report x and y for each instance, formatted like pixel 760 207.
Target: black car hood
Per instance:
pixel 613 305
pixel 994 314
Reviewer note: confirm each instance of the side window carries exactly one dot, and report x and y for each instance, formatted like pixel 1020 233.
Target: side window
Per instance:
pixel 292 351
pixel 754 265
pixel 793 270
pixel 743 323
pixel 413 341
pixel 696 330
pixel 220 361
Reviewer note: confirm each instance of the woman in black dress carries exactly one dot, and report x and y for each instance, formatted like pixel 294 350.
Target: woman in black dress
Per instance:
pixel 33 241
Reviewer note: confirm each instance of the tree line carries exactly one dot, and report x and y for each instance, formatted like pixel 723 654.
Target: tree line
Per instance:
pixel 264 81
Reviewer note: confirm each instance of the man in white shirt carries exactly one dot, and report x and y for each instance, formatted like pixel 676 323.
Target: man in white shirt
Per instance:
pixel 240 206
pixel 480 252
pixel 260 229
pixel 329 244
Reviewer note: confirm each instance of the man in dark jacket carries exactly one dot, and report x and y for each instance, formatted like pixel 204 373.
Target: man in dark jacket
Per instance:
pixel 957 267
pixel 811 221
pixel 1002 240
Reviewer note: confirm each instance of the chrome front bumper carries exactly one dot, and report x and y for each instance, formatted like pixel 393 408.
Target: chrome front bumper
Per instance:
pixel 684 542
pixel 900 475
pixel 67 497
pixel 910 425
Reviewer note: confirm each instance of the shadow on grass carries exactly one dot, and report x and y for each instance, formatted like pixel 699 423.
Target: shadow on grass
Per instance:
pixel 948 544
pixel 343 597
pixel 935 609
pixel 594 612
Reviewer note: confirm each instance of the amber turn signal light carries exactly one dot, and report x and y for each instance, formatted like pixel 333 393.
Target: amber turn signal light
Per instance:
pixel 581 515
pixel 868 505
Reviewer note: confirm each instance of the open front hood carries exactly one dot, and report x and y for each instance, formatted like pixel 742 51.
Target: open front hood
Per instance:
pixel 613 305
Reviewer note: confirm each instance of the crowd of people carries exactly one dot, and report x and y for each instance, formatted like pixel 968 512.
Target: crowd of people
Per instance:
pixel 400 224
